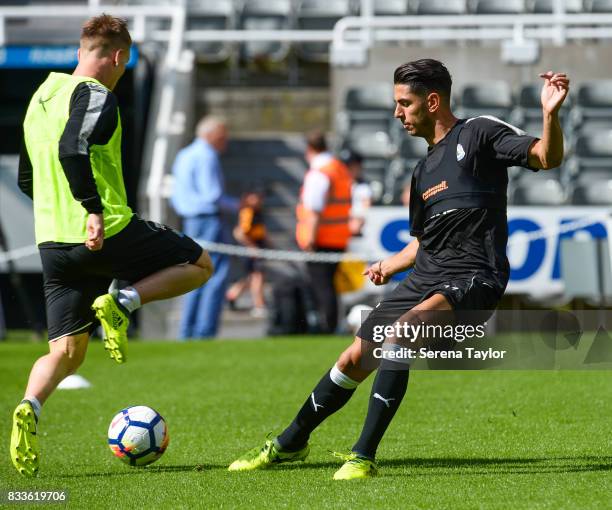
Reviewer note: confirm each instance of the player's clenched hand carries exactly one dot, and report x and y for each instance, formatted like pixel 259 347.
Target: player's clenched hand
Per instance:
pixel 554 90
pixel 95 232
pixel 376 275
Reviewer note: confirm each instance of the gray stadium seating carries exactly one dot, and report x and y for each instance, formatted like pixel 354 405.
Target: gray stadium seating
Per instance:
pixel 266 15
pixel 498 6
pixel 211 15
pixel 546 6
pixel 592 151
pixel 593 186
pixel 376 150
pixel 593 102
pixel 545 187
pixel 594 147
pixel 599 5
pixel 391 7
pixel 371 145
pixel 594 126
pixel 369 107
pixel 319 15
pixel 533 127
pixel 412 148
pixel 540 192
pixel 529 107
pixel 488 98
pixel 433 7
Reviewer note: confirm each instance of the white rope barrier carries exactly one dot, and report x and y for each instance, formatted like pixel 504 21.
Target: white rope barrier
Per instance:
pixel 555 231
pixel 282 255
pixel 326 257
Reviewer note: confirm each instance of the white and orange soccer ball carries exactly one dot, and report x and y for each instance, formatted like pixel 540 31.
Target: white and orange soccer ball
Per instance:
pixel 138 435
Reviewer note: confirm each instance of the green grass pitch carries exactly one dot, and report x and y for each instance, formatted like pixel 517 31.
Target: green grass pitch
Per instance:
pixel 460 440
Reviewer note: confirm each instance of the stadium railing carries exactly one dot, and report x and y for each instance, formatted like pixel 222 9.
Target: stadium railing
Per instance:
pixel 351 38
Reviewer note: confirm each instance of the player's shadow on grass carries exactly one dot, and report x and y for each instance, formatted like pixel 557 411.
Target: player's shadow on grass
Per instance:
pixel 131 471
pixel 470 466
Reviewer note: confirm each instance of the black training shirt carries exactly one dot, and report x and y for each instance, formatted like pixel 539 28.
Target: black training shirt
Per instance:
pixel 458 201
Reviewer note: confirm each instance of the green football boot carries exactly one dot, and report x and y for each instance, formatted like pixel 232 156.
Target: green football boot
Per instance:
pixel 355 467
pixel 25 454
pixel 115 320
pixel 266 456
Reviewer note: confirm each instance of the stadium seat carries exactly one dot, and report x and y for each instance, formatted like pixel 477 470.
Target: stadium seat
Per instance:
pixel 599 5
pixel 412 148
pixel 377 150
pixel 592 150
pixel 391 7
pixel 593 186
pixel 541 192
pixel 266 15
pixel 593 101
pixel 371 145
pixel 432 7
pixel 545 187
pixel 528 107
pixel 533 128
pixel 319 15
pixel 498 6
pixel 211 15
pixel 595 126
pixel 593 147
pixel 368 107
pixel 546 6
pixel 398 176
pixel 488 98
pixel 140 2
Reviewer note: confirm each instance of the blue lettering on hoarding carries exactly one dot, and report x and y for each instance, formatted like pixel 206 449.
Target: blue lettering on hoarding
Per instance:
pixel 392 238
pixel 535 250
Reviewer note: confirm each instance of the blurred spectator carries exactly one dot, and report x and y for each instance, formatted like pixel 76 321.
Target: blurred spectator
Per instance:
pixel 251 232
pixel 323 222
pixel 361 192
pixel 199 198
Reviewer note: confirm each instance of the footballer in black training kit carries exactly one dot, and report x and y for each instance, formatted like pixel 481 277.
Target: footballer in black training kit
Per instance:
pixel 458 219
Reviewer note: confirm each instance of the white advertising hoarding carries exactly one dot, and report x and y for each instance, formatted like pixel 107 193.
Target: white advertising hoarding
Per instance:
pixel 534 237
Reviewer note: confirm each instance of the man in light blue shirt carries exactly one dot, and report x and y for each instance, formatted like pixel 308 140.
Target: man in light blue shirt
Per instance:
pixel 199 198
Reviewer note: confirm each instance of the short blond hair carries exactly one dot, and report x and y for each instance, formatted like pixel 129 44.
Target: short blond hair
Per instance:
pixel 105 33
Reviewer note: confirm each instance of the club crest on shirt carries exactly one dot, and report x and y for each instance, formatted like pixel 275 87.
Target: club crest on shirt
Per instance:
pixel 460 152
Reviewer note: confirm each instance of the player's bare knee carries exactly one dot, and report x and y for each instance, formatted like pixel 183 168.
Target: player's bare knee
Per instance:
pixel 72 350
pixel 351 357
pixel 206 266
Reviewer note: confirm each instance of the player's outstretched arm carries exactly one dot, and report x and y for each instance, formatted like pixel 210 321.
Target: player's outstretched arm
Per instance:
pixel 380 272
pixel 548 152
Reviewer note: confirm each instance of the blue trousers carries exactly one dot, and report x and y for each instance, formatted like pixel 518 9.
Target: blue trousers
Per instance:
pixel 202 307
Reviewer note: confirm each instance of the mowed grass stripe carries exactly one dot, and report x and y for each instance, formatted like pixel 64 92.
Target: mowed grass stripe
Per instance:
pixel 460 439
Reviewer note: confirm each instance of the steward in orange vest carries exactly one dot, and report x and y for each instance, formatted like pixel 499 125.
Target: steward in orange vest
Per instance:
pixel 332 231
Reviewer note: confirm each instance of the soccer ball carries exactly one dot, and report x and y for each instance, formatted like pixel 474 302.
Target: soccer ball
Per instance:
pixel 138 435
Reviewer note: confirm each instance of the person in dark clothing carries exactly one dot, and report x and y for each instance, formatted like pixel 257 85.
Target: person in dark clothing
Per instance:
pixel 458 219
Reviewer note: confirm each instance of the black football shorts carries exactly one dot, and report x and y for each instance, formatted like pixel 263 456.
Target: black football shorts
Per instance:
pixel 74 276
pixel 469 293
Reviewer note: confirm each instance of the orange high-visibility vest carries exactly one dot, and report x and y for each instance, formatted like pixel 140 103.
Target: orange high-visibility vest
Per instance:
pixel 333 231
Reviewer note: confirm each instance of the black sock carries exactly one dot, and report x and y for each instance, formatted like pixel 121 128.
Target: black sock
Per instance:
pixel 325 399
pixel 388 391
